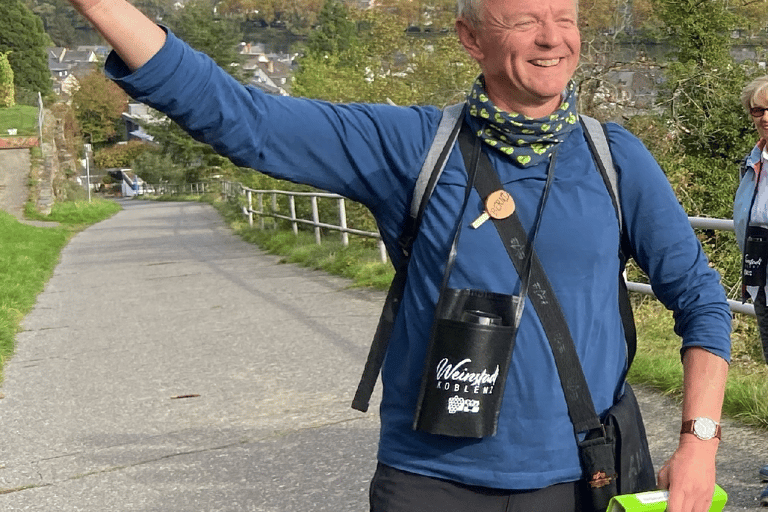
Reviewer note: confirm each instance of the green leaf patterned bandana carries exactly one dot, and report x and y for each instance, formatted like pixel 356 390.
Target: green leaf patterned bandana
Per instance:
pixel 526 140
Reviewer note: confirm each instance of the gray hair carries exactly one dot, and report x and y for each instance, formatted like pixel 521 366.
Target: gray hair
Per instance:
pixel 755 88
pixel 472 11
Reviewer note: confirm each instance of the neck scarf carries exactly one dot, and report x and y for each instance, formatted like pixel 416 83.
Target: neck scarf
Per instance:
pixel 526 140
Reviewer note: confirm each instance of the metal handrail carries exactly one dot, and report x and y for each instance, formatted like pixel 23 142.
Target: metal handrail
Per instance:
pixel 696 223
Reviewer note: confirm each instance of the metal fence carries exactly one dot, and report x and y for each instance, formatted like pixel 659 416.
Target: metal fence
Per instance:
pixel 256 197
pixel 231 189
pixel 167 189
pixel 703 223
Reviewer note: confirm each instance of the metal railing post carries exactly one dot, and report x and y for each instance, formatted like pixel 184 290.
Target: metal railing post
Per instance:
pixel 292 208
pixel 274 210
pixel 382 251
pixel 343 222
pixel 261 209
pixel 315 218
pixel 250 208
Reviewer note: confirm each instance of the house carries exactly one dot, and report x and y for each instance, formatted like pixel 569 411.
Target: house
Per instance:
pixel 135 119
pixel 66 65
pixel 269 72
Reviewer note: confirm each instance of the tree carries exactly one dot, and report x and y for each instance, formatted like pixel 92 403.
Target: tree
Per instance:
pixel 387 65
pixel 119 155
pixel 218 37
pixel 7 92
pixel 155 168
pixel 703 82
pixel 704 131
pixel 22 33
pixel 98 105
pixel 335 33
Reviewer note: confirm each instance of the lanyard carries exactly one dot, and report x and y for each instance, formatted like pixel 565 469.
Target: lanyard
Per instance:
pixel 471 159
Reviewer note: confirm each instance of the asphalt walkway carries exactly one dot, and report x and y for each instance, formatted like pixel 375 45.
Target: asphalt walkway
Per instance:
pixel 169 366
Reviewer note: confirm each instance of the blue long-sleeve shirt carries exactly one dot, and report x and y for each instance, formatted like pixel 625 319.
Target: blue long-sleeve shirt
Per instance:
pixel 373 154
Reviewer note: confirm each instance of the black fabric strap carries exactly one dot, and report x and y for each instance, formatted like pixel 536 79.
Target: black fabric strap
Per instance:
pixel 380 343
pixel 581 408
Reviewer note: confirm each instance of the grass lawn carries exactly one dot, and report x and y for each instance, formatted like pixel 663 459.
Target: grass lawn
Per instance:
pixel 21 117
pixel 28 255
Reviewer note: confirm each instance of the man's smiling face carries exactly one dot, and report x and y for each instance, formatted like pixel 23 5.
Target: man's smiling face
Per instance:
pixel 528 51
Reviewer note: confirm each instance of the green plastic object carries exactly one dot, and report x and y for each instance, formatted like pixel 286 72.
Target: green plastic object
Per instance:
pixel 653 501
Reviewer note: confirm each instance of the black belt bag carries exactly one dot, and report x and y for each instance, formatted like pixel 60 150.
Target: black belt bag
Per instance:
pixel 467 363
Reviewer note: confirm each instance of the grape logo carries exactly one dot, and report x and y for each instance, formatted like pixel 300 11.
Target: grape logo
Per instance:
pixel 458 404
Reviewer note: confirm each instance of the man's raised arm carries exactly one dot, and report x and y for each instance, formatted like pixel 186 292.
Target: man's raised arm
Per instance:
pixel 133 36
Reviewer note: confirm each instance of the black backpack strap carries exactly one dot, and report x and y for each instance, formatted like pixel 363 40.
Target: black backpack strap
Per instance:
pixel 433 166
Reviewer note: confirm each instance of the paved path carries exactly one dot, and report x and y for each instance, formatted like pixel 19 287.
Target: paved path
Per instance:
pixel 169 366
pixel 14 189
pixel 14 173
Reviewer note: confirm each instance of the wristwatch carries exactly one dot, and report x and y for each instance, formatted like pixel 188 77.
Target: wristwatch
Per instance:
pixel 703 428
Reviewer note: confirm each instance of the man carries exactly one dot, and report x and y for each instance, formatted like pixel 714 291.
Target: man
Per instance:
pixel 523 108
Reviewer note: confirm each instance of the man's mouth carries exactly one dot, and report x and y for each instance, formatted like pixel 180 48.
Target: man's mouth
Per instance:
pixel 545 63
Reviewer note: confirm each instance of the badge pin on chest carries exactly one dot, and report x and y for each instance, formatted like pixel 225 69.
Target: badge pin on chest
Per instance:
pixel 498 205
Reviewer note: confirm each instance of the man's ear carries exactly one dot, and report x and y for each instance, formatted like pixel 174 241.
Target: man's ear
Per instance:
pixel 468 37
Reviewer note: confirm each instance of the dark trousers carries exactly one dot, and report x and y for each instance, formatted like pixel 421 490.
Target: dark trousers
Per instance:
pixel 393 490
pixel 761 312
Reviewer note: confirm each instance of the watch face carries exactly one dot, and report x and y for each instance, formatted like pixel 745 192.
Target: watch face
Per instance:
pixel 704 428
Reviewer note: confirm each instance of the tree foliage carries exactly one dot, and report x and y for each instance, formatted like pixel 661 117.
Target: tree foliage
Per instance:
pixel 218 37
pixel 21 32
pixel 7 92
pixel 704 131
pixel 98 105
pixel 386 64
pixel 336 32
pixel 155 167
pixel 703 82
pixel 119 155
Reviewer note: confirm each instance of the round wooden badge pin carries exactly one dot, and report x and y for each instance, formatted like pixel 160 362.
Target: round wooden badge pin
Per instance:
pixel 499 204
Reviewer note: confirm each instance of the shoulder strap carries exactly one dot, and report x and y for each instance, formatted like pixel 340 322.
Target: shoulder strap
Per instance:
pixel 433 166
pixel 597 140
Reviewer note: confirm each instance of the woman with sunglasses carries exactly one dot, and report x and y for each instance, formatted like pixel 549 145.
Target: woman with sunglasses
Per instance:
pixel 750 216
pixel 750 211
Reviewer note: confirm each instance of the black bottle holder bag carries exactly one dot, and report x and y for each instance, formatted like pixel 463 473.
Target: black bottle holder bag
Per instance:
pixel 473 335
pixel 755 256
pixel 467 363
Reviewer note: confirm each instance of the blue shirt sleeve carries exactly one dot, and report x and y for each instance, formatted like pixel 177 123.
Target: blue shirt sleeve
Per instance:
pixel 370 153
pixel 667 249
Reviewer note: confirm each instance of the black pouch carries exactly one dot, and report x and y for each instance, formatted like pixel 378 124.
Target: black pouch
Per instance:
pixel 753 271
pixel 618 462
pixel 467 362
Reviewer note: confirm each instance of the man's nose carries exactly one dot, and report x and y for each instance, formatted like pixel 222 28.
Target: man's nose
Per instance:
pixel 549 34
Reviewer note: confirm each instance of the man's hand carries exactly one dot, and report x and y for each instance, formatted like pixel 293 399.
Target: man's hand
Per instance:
pixel 133 36
pixel 690 475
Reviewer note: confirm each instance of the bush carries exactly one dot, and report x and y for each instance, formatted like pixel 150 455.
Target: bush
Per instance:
pixel 119 155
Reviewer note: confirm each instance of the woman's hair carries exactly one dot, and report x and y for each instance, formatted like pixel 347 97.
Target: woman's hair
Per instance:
pixel 754 89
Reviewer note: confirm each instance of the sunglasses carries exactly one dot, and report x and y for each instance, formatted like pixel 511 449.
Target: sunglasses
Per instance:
pixel 757 111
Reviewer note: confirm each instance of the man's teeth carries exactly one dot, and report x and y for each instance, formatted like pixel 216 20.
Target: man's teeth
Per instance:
pixel 546 63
